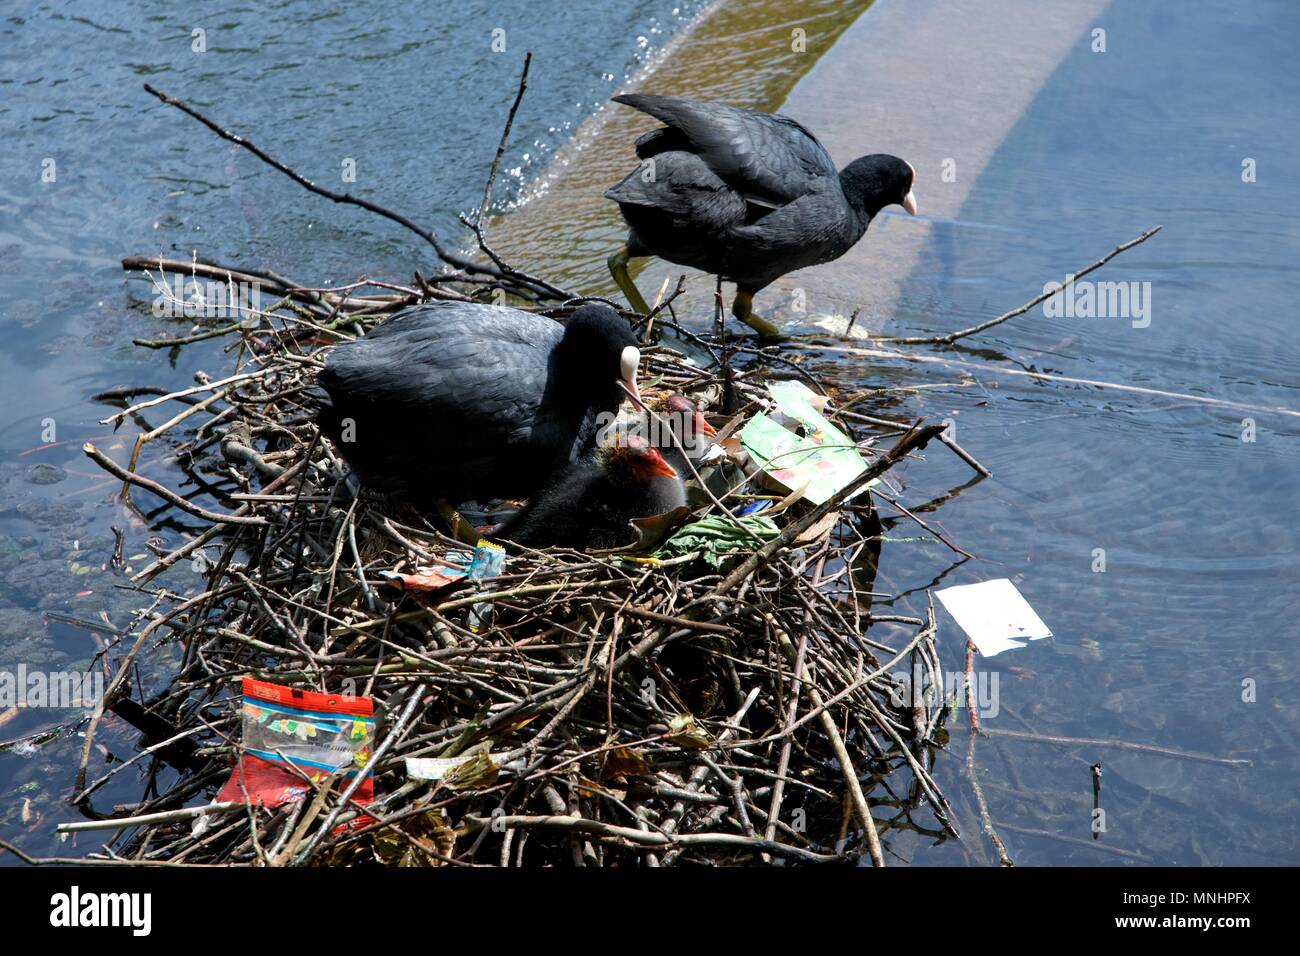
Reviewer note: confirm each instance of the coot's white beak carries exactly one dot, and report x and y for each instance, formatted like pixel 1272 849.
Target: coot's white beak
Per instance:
pixel 627 365
pixel 909 203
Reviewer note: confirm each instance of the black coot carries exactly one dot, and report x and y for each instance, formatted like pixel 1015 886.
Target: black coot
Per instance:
pixel 458 400
pixel 745 195
pixel 588 505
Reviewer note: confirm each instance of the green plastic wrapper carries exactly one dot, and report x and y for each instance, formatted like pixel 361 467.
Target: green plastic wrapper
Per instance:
pixel 825 458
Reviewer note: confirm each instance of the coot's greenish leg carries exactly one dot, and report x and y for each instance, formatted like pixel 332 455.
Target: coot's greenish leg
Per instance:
pixel 618 269
pixel 457 523
pixel 742 307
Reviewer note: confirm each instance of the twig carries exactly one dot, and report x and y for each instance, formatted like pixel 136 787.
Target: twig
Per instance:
pixel 443 253
pixel 148 484
pixel 985 818
pixel 963 454
pixel 393 736
pixel 859 801
pixel 917 437
pixel 646 838
pixel 952 547
pixel 1021 310
pixel 989 369
pixel 1119 745
pixel 169 816
pixel 505 138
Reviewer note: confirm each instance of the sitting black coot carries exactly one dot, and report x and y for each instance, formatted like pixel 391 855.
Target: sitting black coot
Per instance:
pixel 457 400
pixel 745 195
pixel 588 505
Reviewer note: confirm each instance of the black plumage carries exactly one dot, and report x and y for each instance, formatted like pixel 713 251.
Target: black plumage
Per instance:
pixel 746 195
pixel 458 400
pixel 588 504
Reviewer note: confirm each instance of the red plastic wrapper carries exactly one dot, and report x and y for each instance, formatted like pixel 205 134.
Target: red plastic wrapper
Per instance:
pixel 319 734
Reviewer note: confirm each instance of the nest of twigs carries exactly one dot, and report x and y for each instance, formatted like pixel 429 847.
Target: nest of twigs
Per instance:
pixel 610 709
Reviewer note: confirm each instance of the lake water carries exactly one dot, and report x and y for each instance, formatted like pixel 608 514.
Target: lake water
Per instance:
pixel 1197 526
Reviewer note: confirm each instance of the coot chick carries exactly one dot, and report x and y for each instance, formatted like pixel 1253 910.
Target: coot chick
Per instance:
pixel 677 430
pixel 589 504
pixel 745 195
pixel 457 400
pixel 693 433
pixel 689 454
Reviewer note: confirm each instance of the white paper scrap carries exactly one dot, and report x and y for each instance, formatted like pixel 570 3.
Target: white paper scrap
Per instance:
pixel 437 768
pixel 434 768
pixel 994 615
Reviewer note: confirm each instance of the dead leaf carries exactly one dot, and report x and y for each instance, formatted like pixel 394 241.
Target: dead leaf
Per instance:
pixel 433 829
pixel 417 841
pixel 626 762
pixel 787 501
pixel 816 531
pixel 686 733
pixel 652 531
pixel 476 773
pixel 589 788
pixel 725 432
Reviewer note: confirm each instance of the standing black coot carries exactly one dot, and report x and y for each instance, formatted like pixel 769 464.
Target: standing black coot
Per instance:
pixel 588 505
pixel 745 195
pixel 456 400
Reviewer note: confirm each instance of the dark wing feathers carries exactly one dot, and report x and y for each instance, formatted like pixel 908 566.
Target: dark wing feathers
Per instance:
pixel 765 157
pixel 683 185
pixel 660 140
pixel 483 367
pixel 469 360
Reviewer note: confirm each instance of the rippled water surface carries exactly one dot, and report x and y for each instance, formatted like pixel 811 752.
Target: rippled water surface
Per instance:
pixel 1198 526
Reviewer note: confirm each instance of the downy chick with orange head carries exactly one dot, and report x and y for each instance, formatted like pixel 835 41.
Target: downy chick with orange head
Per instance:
pixel 589 504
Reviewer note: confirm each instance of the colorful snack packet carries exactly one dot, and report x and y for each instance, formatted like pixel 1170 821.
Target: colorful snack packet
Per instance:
pixel 319 734
pixel 489 561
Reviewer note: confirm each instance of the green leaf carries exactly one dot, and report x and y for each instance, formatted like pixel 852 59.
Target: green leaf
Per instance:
pixel 718 538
